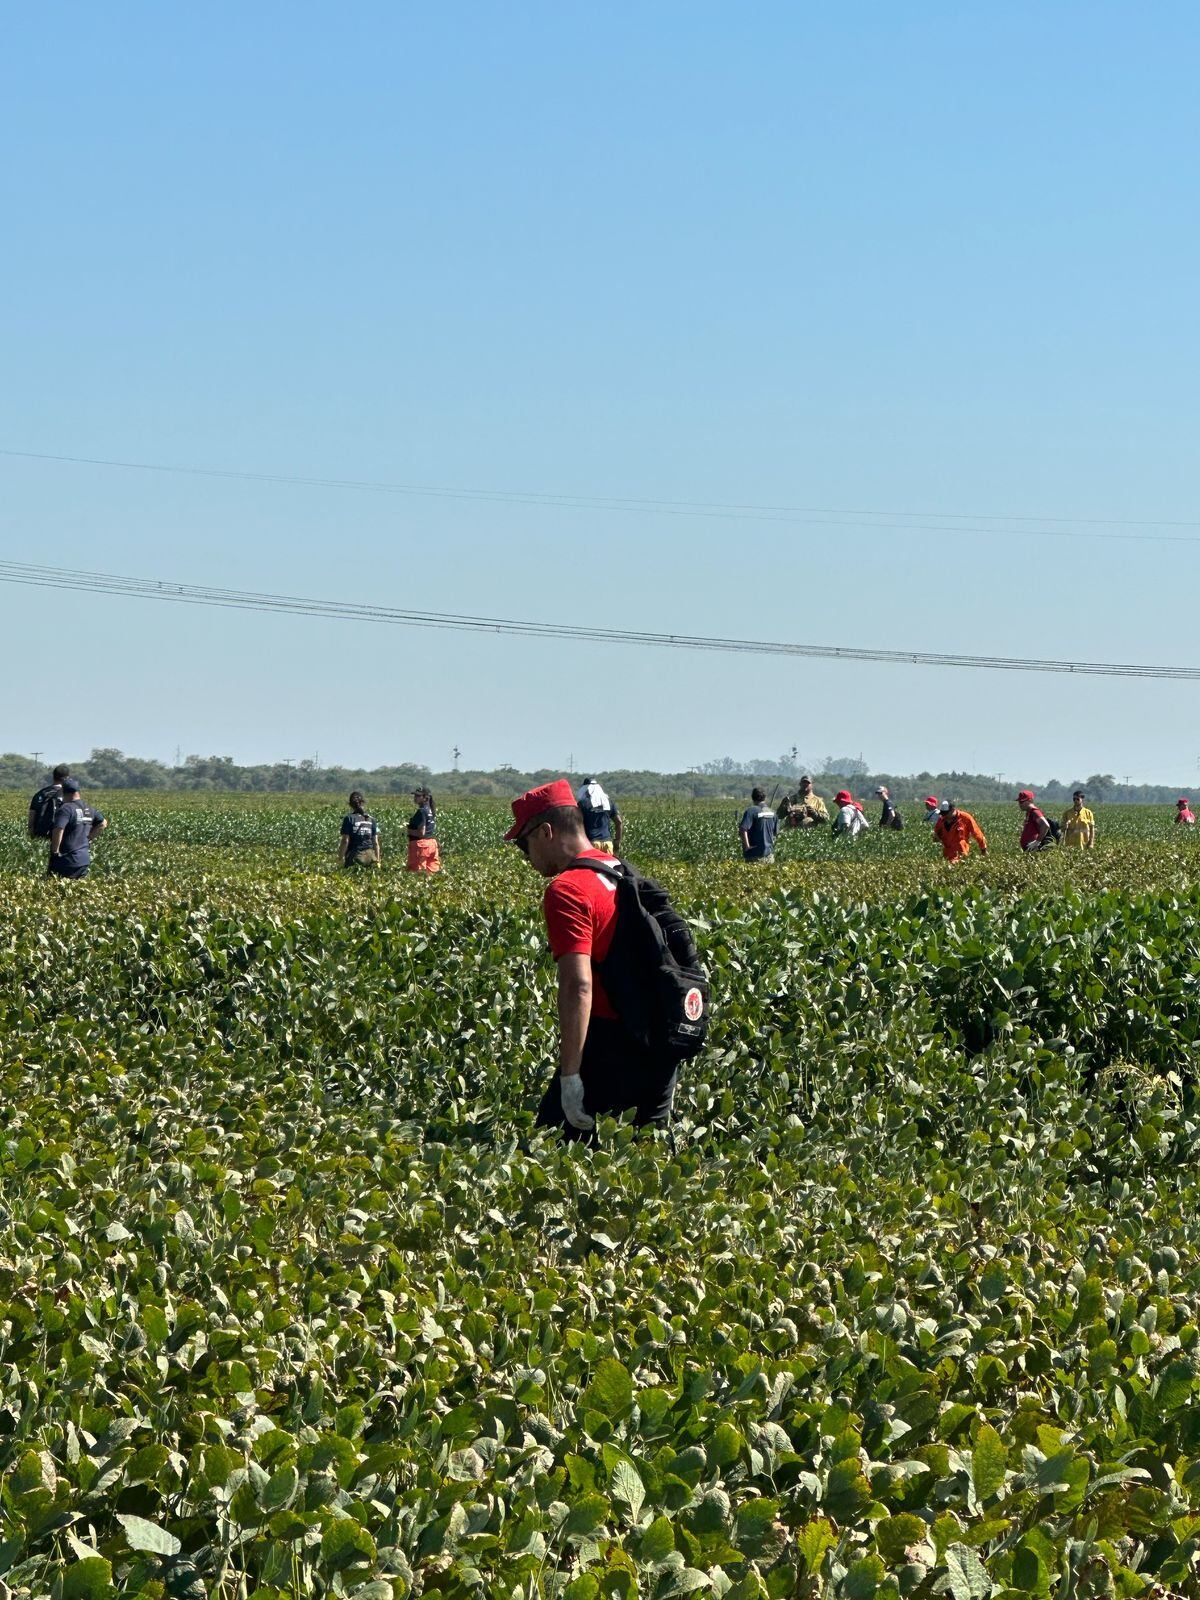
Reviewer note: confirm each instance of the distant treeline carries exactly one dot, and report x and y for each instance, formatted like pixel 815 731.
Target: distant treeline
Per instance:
pixel 717 780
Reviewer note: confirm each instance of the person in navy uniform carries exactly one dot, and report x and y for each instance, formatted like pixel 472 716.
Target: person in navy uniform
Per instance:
pixel 601 819
pixel 757 828
pixel 75 826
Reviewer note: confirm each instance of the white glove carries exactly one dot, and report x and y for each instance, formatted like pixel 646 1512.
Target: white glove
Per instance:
pixel 571 1090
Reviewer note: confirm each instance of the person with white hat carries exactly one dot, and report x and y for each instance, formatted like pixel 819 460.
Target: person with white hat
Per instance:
pixel 889 817
pixel 601 819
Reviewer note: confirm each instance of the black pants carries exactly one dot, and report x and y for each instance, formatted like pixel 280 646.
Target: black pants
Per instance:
pixel 74 869
pixel 618 1075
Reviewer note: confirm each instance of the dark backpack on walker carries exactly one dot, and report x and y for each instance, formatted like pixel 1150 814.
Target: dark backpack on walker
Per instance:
pixel 652 972
pixel 42 808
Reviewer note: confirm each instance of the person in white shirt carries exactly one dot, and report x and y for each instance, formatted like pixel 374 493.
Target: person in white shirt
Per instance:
pixel 850 819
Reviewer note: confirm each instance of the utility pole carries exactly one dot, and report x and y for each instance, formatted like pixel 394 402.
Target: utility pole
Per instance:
pixel 37 756
pixel 571 763
pixel 456 753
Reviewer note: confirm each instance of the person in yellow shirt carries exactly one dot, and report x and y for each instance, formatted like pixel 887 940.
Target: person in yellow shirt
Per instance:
pixel 1078 824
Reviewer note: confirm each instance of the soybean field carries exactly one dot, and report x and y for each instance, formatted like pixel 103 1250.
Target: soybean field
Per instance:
pixel 294 1302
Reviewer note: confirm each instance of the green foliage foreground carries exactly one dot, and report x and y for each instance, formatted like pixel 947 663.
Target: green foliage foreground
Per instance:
pixel 293 1301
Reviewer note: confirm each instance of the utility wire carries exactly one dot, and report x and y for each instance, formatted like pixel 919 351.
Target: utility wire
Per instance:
pixel 962 522
pixel 19 572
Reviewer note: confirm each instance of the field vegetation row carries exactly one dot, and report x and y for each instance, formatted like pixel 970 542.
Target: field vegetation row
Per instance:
pixel 293 1301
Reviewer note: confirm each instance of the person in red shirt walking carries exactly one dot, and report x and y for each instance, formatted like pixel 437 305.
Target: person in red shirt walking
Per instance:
pixel 602 1068
pixel 955 831
pixel 1036 834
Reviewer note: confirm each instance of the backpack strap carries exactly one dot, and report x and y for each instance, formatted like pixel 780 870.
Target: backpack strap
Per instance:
pixel 608 867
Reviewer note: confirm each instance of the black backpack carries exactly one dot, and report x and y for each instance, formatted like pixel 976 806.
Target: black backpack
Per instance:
pixel 652 972
pixel 42 808
pixel 1055 829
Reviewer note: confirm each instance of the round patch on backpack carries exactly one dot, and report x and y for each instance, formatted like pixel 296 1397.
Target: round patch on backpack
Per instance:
pixel 693 1005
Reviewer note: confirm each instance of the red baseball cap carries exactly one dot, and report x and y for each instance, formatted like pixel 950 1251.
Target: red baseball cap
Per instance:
pixel 931 800
pixel 531 804
pixel 1181 801
pixel 1025 794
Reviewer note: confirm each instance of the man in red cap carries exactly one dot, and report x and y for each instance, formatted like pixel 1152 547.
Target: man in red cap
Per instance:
pixel 1035 835
pixel 602 1068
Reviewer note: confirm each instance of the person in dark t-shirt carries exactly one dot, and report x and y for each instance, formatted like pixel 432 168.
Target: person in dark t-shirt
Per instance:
pixel 75 826
pixel 359 843
pixel 758 828
pixel 45 803
pixel 423 853
pixel 889 817
pixel 601 819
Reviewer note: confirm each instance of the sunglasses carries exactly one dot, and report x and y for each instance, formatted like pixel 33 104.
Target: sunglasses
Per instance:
pixel 522 839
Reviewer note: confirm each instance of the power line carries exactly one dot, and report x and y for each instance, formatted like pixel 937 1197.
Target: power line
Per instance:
pixel 19 572
pixel 790 516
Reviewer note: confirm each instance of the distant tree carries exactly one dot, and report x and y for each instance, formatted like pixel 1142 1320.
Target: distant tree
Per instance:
pixel 845 767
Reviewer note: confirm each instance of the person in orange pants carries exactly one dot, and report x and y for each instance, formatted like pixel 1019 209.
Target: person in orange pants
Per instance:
pixel 422 835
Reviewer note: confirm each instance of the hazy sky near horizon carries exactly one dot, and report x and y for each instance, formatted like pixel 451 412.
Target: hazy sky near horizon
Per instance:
pixel 938 260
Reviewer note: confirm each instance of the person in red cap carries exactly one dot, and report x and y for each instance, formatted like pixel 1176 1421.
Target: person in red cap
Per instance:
pixel 602 1068
pixel 850 819
pixel 1183 813
pixel 931 808
pixel 1035 835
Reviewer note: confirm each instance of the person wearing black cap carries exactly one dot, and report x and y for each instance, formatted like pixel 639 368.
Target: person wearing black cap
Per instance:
pixel 75 826
pixel 956 831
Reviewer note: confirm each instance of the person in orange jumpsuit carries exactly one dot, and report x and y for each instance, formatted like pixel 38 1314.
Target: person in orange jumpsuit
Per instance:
pixel 955 831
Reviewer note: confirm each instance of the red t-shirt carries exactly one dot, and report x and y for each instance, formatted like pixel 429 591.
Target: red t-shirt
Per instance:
pixel 581 916
pixel 1031 830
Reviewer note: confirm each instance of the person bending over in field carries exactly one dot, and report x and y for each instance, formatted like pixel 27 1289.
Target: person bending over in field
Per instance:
pixel 1183 813
pixel 359 844
pixel 955 831
pixel 602 1066
pixel 850 820
pixel 1036 834
pixel 422 834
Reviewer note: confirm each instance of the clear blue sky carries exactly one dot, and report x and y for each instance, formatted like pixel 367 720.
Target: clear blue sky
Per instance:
pixel 939 258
